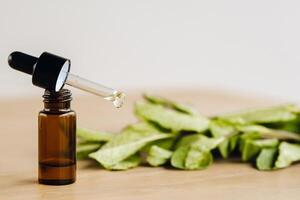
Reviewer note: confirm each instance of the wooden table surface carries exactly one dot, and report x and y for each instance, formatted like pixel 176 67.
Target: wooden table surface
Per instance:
pixel 223 180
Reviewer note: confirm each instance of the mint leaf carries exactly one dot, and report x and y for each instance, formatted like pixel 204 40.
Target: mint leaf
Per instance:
pixel 247 136
pixel 150 128
pixel 265 115
pixel 158 156
pixel 89 135
pixel 142 127
pixel 233 143
pixel 269 133
pixel 131 162
pixel 171 119
pixel 163 143
pixel 222 129
pixel 84 149
pixel 193 152
pixel 170 104
pixel 191 158
pixel 204 143
pixel 291 126
pixel 266 158
pixel 249 150
pixel 197 159
pixel 123 146
pixel 252 147
pixel 288 153
pixel 179 156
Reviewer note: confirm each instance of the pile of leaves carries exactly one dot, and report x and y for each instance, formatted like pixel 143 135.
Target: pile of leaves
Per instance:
pixel 172 134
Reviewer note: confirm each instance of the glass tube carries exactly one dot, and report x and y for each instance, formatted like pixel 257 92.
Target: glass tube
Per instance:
pixel 116 97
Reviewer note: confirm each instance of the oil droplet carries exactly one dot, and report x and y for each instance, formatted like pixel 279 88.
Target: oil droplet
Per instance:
pixel 117 98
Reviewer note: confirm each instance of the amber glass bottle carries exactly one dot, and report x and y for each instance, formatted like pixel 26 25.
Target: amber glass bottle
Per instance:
pixel 57 139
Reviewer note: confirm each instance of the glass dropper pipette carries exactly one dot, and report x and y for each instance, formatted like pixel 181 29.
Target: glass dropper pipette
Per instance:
pixel 116 97
pixel 53 72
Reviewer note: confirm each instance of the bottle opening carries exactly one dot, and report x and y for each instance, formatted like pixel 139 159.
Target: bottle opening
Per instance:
pixel 62 95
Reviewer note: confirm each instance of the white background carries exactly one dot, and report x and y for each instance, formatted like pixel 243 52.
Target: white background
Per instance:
pixel 247 46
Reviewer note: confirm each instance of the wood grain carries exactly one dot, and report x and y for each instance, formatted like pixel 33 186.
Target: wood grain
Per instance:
pixel 223 180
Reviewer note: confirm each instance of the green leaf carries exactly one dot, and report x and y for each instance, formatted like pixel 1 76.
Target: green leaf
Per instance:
pixel 265 115
pixel 158 156
pixel 224 148
pixel 179 156
pixel 222 129
pixel 131 162
pixel 291 126
pixel 252 128
pixel 191 158
pixel 170 104
pixel 288 153
pixel 247 136
pixel 171 119
pixel 163 143
pixel 269 133
pixel 142 127
pixel 266 143
pixel 233 142
pixel 204 143
pixel 186 140
pixel 150 128
pixel 252 147
pixel 193 152
pixel 266 159
pixel 198 159
pixel 123 146
pixel 249 150
pixel 84 149
pixel 92 135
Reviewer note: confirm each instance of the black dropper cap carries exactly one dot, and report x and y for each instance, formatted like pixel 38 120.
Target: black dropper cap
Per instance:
pixel 48 71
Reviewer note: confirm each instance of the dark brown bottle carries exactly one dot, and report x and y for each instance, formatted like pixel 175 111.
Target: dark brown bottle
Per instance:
pixel 57 139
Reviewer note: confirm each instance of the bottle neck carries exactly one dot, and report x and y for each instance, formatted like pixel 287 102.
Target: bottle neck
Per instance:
pixel 57 101
pixel 61 107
